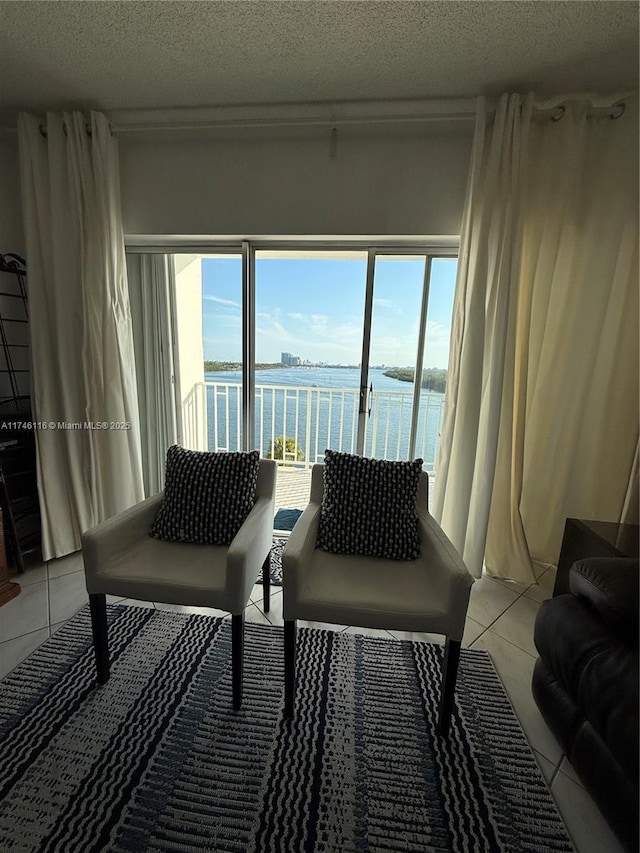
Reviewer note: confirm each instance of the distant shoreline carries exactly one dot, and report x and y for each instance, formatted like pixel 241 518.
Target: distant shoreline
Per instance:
pixel 226 366
pixel 222 366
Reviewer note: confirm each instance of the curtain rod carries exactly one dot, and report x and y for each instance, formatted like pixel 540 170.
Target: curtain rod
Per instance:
pixel 615 111
pixel 222 118
pixel 318 115
pixel 87 128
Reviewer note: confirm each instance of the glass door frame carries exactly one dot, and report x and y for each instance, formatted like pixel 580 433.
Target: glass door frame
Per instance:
pixel 363 409
pixel 248 344
pixel 430 248
pixel 409 250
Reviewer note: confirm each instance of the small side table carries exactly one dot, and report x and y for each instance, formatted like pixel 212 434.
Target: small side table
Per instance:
pixel 583 538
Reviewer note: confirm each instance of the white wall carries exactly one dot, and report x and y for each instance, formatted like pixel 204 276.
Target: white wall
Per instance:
pixel 389 181
pixel 11 230
pixel 405 181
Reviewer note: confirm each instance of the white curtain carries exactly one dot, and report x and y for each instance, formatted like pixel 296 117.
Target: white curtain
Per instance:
pixel 631 508
pixel 80 326
pixel 151 283
pixel 542 417
pixel 483 313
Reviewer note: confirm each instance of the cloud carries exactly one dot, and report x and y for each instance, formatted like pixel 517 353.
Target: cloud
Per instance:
pixel 230 322
pixel 388 306
pixel 273 332
pixel 216 320
pixel 313 336
pixel 438 332
pixel 436 351
pixel 319 321
pixel 321 337
pixel 220 301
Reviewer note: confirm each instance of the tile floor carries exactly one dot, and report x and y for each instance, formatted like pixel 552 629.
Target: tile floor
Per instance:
pixel 500 619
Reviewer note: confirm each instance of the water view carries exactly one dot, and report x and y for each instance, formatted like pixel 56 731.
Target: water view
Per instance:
pixel 313 408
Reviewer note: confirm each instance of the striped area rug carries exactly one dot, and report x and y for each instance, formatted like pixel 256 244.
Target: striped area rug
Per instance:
pixel 275 572
pixel 156 760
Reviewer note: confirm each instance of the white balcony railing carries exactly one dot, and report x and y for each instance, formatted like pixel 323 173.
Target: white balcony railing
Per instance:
pixel 314 419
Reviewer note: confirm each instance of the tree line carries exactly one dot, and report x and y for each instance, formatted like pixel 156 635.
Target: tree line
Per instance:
pixel 433 378
pixel 214 366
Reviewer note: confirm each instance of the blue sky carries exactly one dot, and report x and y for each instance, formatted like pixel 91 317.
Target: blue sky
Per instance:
pixel 313 308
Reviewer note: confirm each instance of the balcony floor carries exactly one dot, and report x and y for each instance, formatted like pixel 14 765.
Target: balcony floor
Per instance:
pixel 293 486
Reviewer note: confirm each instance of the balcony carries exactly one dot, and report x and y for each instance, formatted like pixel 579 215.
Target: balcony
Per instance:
pixel 311 419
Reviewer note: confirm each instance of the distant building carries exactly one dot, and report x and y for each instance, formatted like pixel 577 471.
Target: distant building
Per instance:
pixel 290 360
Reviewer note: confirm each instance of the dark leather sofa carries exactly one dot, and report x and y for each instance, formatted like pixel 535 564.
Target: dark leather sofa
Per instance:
pixel 585 683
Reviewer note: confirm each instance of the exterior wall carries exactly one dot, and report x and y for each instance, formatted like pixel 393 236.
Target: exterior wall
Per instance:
pixel 190 352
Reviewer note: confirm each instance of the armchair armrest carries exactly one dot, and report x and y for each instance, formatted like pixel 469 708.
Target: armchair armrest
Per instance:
pixel 610 585
pixel 249 549
pixel 443 559
pixel 298 552
pixel 100 544
pixel 433 536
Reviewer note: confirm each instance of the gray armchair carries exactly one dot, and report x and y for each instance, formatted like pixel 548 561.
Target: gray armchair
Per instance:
pixel 429 594
pixel 122 559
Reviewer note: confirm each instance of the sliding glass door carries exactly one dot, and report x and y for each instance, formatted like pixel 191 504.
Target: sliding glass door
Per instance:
pixel 309 321
pixel 340 337
pixel 412 304
pixel 395 352
pixel 295 348
pixel 429 406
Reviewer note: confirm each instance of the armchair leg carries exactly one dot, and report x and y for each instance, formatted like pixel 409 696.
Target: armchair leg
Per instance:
pixel 266 583
pixel 237 657
pixel 449 676
pixel 98 608
pixel 289 665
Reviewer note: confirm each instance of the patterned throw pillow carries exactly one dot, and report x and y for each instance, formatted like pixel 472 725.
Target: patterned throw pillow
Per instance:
pixel 369 507
pixel 207 496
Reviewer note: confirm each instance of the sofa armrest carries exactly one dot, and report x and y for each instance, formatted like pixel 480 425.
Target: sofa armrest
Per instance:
pixel 610 586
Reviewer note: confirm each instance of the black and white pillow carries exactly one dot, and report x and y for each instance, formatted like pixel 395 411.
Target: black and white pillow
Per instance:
pixel 207 496
pixel 369 507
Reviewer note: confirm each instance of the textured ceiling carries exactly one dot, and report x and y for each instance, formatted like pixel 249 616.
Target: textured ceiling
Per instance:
pixel 118 55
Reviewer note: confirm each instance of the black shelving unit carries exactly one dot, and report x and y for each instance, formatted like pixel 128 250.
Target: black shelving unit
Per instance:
pixel 18 477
